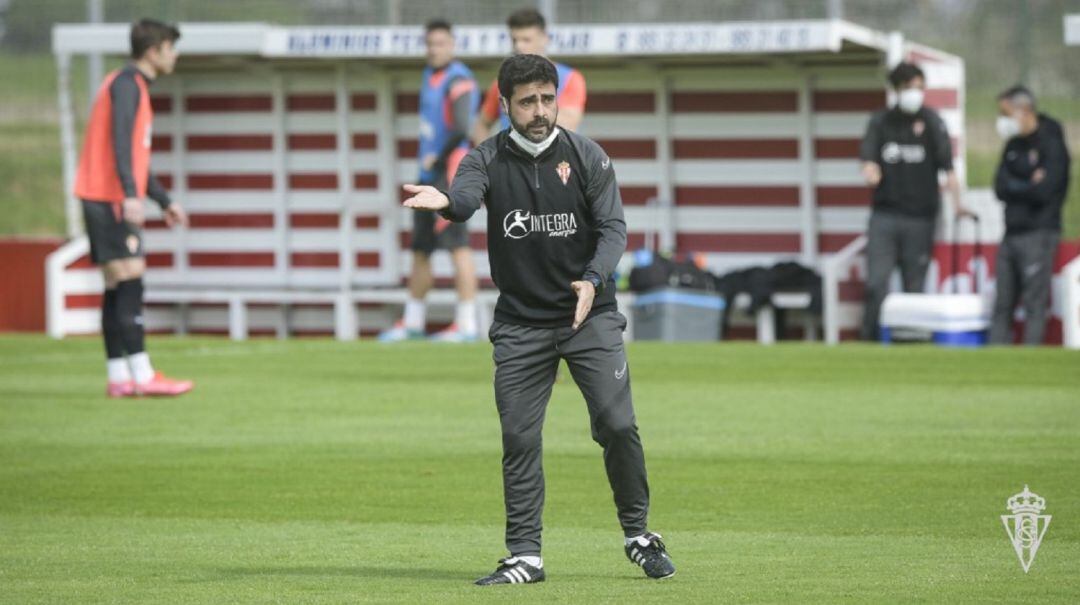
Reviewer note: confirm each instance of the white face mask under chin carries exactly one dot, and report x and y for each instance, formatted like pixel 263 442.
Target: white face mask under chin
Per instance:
pixel 533 149
pixel 910 100
pixel 1007 127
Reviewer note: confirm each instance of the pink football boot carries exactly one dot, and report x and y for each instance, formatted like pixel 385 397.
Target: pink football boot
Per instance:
pixel 163 386
pixel 121 389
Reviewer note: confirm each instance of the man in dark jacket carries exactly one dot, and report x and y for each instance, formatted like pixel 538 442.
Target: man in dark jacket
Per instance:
pixel 1032 180
pixel 904 149
pixel 555 233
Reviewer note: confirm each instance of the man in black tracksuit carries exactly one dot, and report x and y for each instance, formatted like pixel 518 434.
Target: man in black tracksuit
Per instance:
pixel 1032 180
pixel 555 233
pixel 904 149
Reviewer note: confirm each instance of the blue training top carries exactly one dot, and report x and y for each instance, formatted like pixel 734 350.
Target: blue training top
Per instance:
pixel 436 114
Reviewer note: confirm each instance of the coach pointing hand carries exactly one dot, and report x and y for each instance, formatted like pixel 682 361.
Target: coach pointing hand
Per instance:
pixel 555 231
pixel 425 197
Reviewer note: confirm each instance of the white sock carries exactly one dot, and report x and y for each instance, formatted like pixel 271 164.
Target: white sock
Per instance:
pixel 118 370
pixel 465 318
pixel 633 539
pixel 141 368
pixel 536 562
pixel 414 315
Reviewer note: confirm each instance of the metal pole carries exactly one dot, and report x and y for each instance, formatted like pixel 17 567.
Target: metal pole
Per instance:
pixel 95 13
pixel 666 223
pixel 830 299
pixel 894 52
pixel 1023 41
pixel 67 143
pixel 549 9
pixel 344 308
pixel 835 9
pixel 346 218
pixel 808 219
pixel 180 163
pixel 282 262
pixel 393 12
pixel 390 219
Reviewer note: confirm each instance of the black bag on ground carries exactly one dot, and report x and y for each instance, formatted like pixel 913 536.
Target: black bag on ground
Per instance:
pixel 651 276
pixel 667 273
pixel 761 283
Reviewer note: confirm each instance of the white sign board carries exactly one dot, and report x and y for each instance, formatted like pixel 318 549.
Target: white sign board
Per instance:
pixel 1072 30
pixel 610 40
pixel 630 40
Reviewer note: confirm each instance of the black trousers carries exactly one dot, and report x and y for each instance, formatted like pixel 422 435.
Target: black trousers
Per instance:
pixel 894 240
pixel 526 360
pixel 1025 270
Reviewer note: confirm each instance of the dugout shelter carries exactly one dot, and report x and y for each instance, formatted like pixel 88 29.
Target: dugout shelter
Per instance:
pixel 288 146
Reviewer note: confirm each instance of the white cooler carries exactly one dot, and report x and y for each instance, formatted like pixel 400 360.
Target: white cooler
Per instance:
pixel 956 320
pixel 946 319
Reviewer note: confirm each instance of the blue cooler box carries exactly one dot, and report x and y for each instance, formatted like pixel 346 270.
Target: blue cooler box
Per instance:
pixel 676 314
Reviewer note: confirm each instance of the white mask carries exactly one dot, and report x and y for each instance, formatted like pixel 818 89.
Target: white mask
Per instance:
pixel 1007 127
pixel 533 149
pixel 910 100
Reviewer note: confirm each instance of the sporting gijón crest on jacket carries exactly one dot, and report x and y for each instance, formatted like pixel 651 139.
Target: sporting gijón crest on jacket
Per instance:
pixel 552 220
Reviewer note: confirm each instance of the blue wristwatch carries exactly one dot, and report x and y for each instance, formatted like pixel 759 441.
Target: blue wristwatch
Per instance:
pixel 598 284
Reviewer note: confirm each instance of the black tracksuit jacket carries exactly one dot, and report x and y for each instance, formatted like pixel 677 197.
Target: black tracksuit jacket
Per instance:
pixel 1030 205
pixel 910 149
pixel 552 220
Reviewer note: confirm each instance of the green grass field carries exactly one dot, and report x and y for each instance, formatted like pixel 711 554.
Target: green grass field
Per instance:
pixel 317 471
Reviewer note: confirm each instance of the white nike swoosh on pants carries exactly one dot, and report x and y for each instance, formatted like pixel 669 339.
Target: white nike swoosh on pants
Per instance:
pixel 620 373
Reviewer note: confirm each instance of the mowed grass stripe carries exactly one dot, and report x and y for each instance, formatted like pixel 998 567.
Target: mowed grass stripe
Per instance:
pixel 317 471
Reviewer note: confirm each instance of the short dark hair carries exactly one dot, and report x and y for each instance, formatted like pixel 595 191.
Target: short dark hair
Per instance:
pixel 148 33
pixel 526 17
pixel 1018 95
pixel 525 69
pixel 904 73
pixel 437 24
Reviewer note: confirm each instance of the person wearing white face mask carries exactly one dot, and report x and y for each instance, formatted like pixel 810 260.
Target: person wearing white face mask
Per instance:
pixel 902 152
pixel 1032 180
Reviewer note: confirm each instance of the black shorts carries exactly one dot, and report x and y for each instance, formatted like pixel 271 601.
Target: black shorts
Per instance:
pixel 450 236
pixel 111 237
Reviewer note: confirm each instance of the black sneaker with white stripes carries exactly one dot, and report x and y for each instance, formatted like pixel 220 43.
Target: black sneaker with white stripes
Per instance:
pixel 649 553
pixel 513 570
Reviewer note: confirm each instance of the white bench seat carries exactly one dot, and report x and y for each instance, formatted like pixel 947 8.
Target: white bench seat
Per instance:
pixel 765 318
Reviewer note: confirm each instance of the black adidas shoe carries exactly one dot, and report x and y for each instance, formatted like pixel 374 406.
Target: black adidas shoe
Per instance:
pixel 513 570
pixel 649 553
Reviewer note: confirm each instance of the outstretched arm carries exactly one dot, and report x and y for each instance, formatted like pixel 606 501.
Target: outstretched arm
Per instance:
pixel 466 194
